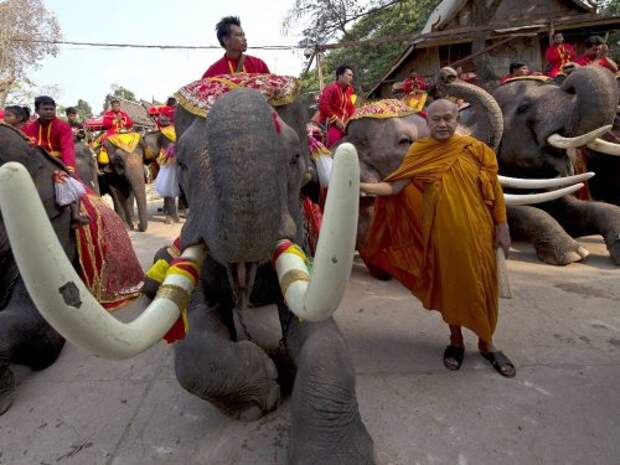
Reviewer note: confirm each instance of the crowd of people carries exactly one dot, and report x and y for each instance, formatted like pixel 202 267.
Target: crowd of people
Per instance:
pixel 469 223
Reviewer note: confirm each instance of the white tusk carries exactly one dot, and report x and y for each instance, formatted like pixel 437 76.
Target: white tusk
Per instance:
pixel 566 142
pixel 57 290
pixel 316 297
pixel 529 199
pixel 520 183
pixel 603 146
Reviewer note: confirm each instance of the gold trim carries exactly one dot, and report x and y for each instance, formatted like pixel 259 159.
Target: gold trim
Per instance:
pixel 291 277
pixel 176 294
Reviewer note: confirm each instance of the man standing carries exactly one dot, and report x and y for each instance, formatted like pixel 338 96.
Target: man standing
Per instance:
pixel 558 55
pixel 596 53
pixel 232 38
pixel 115 120
pixel 51 133
pixel 438 232
pixel 336 104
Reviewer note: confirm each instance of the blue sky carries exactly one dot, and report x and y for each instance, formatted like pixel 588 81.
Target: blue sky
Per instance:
pixel 88 73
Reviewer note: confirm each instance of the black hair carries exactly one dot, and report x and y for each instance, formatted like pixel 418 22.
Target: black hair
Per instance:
pixel 114 100
pixel 43 100
pixel 22 113
pixel 223 27
pixel 71 111
pixel 593 40
pixel 341 70
pixel 171 101
pixel 515 66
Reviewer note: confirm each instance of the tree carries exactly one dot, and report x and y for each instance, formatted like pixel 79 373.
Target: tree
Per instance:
pixel 83 108
pixel 28 33
pixel 370 61
pixel 121 92
pixel 612 8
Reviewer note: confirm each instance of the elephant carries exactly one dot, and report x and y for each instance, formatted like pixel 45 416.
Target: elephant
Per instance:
pixel 154 142
pixel 543 124
pixel 25 337
pixel 86 164
pixel 123 179
pixel 244 165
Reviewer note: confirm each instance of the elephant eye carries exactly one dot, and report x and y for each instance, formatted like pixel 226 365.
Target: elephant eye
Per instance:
pixel 405 140
pixel 523 108
pixel 295 159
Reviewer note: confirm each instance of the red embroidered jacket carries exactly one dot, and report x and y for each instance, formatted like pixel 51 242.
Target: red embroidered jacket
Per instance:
pixel 557 56
pixel 335 102
pixel 54 136
pixel 113 122
pixel 585 60
pixel 226 65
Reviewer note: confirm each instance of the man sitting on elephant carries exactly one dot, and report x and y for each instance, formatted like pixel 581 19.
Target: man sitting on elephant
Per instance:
pixel 116 120
pixel 336 104
pixel 232 38
pixel 437 236
pixel 596 53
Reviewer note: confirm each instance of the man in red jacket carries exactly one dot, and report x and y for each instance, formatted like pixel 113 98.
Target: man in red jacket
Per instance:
pixel 596 53
pixel 51 133
pixel 232 38
pixel 116 120
pixel 336 104
pixel 558 55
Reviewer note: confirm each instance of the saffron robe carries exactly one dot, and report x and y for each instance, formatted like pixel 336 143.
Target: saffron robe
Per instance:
pixel 557 56
pixel 437 235
pixel 56 137
pixel 227 65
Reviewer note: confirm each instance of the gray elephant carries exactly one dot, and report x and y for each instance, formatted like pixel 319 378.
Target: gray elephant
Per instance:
pixel 25 337
pixel 123 179
pixel 543 123
pixel 245 167
pixel 86 164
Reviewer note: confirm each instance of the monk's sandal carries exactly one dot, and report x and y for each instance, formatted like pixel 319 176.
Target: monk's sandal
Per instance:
pixel 453 357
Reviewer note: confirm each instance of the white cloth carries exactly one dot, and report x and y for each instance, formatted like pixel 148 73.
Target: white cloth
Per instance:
pixel 68 191
pixel 167 182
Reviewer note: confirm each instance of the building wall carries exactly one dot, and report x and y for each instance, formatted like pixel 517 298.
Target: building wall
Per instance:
pixel 423 61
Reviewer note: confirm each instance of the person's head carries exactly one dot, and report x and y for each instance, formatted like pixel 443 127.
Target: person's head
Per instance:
pixel 519 69
pixel 344 75
pixel 442 118
pixel 72 114
pixel 16 116
pixel 45 107
pixel 115 104
pixel 593 45
pixel 558 38
pixel 230 35
pixel 171 102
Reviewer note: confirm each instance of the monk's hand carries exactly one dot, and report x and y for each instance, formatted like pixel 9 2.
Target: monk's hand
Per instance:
pixel 502 237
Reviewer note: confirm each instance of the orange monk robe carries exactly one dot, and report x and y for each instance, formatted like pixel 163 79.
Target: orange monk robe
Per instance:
pixel 437 235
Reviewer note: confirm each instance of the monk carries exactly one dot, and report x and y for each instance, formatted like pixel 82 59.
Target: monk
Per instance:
pixel 336 104
pixel 232 38
pixel 438 230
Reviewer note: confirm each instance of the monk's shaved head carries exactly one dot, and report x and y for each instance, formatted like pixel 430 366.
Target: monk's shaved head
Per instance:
pixel 442 105
pixel 442 119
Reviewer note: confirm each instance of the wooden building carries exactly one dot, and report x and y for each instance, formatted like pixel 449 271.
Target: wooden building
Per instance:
pixel 516 31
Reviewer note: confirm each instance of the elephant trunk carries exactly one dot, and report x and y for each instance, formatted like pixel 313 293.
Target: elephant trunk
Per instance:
pixel 489 119
pixel 135 176
pixel 596 97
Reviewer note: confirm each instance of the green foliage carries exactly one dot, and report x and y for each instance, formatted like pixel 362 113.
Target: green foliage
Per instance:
pixel 609 7
pixel 371 61
pixel 84 110
pixel 121 92
pixel 612 8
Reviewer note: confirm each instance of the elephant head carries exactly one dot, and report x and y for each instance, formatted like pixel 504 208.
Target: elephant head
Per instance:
pixel 242 171
pixel 542 120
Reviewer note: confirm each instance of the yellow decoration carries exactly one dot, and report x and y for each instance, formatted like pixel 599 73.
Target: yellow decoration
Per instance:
pixel 169 133
pixel 353 98
pixel 157 271
pixel 102 157
pixel 416 100
pixel 127 141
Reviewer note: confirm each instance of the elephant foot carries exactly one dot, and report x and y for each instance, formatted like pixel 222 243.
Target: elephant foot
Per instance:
pixel 613 245
pixel 246 391
pixel 354 446
pixel 167 220
pixel 7 389
pixel 561 253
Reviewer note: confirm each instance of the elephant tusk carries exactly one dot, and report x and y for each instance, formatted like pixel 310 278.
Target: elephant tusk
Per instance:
pixel 529 199
pixel 562 142
pixel 521 183
pixel 57 290
pixel 316 297
pixel 606 147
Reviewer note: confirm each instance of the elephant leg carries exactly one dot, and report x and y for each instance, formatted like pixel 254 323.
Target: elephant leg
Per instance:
pixel 25 339
pixel 326 426
pixel 552 243
pixel 170 210
pixel 119 201
pixel 236 377
pixel 585 218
